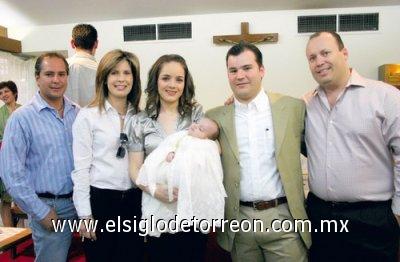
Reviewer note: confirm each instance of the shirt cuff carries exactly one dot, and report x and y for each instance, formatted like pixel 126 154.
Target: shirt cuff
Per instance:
pixel 41 211
pixel 82 205
pixel 396 205
pixel 132 147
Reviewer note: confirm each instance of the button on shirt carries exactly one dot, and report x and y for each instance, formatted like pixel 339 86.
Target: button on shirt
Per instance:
pixel 354 148
pixel 36 154
pixel 96 141
pixel 260 179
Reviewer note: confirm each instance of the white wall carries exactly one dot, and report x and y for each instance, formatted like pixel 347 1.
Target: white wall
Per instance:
pixel 287 69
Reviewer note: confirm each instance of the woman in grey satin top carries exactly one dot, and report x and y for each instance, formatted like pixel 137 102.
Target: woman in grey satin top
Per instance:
pixel 170 108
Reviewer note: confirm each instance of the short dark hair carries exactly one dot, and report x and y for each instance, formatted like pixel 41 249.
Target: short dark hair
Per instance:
pixel 10 85
pixel 39 61
pixel 84 36
pixel 242 46
pixel 332 33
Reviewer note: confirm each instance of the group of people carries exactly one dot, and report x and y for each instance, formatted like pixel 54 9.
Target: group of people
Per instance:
pixel 107 161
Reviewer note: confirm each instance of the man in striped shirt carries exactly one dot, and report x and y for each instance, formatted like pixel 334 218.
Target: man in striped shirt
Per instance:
pixel 36 158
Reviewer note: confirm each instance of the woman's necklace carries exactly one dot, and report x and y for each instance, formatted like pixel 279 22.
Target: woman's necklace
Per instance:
pixel 122 116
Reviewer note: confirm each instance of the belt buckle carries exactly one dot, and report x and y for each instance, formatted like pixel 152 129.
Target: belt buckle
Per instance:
pixel 255 204
pixel 334 204
pixel 260 205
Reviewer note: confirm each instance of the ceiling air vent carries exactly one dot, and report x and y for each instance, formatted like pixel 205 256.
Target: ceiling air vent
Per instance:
pixel 139 32
pixel 359 22
pixel 174 31
pixel 316 23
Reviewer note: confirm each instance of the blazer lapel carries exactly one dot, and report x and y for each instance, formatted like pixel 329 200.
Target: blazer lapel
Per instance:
pixel 228 126
pixel 279 119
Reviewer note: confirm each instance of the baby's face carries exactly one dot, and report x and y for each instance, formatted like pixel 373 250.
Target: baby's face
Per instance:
pixel 204 129
pixel 196 130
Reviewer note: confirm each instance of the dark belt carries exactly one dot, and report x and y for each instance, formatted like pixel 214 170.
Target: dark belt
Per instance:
pixel 115 193
pixel 52 196
pixel 348 205
pixel 262 205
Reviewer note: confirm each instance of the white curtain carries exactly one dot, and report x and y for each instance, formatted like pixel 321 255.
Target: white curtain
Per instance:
pixel 22 72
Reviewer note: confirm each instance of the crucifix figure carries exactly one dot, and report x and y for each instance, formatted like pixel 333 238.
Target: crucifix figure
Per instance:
pixel 245 36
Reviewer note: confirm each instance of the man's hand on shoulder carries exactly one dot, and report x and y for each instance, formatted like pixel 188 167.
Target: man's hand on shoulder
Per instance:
pixel 47 221
pixel 229 101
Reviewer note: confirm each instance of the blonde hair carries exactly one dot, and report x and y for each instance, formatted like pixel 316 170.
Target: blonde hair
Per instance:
pixel 106 65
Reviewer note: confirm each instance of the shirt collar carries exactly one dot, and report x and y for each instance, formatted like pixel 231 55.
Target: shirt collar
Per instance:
pixel 260 102
pixel 108 107
pixel 355 80
pixel 39 103
pixel 82 54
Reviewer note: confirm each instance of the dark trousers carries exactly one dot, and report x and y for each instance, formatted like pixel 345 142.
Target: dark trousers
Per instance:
pixel 373 232
pixel 117 206
pixel 182 246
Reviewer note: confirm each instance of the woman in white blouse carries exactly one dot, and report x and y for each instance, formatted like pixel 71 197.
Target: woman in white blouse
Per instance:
pixel 103 191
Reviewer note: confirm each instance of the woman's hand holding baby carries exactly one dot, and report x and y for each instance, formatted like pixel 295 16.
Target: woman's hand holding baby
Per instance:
pixel 161 193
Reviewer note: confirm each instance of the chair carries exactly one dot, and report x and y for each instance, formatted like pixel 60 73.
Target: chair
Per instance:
pixel 17 214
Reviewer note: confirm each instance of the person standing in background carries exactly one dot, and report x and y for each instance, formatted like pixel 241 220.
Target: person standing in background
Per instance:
pixel 82 65
pixel 9 95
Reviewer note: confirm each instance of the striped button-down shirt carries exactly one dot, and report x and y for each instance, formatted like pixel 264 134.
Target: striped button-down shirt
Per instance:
pixel 354 147
pixel 36 156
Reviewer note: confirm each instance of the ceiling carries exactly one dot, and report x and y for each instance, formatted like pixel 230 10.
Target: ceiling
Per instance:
pixel 50 12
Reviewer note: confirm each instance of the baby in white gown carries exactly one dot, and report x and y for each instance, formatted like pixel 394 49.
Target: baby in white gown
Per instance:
pixel 188 160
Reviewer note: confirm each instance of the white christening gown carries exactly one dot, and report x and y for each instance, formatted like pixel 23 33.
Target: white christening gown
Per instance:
pixel 195 170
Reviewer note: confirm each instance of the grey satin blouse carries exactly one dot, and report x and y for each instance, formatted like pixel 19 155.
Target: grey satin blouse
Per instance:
pixel 145 134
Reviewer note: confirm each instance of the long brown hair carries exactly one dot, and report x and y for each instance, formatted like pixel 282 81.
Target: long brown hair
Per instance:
pixel 186 101
pixel 106 65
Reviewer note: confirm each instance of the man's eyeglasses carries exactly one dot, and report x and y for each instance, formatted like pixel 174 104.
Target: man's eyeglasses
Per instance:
pixel 123 140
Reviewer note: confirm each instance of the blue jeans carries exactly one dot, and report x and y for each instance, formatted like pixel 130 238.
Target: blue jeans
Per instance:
pixel 53 246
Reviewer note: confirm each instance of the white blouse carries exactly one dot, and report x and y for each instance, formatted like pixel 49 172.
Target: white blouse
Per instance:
pixel 95 144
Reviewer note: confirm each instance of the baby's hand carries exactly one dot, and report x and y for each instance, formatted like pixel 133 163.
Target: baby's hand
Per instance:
pixel 170 157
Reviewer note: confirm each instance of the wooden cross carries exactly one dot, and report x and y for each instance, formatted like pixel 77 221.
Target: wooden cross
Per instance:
pixel 8 44
pixel 251 38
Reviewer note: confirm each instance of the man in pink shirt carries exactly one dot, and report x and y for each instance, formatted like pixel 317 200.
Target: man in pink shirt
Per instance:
pixel 353 145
